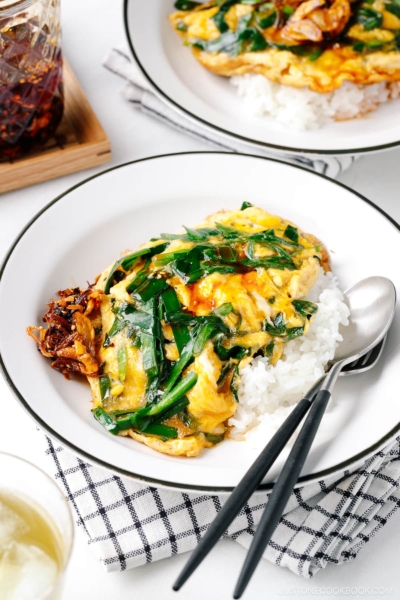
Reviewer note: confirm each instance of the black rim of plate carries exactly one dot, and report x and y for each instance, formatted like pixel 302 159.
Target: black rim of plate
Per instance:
pixel 353 461
pixel 252 143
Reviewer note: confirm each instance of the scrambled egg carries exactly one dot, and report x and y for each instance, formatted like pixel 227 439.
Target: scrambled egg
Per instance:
pixel 257 296
pixel 317 44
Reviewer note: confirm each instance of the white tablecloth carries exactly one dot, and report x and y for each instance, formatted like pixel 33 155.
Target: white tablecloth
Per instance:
pixel 90 28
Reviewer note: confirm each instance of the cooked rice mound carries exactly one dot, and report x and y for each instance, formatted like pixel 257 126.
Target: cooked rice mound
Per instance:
pixel 301 108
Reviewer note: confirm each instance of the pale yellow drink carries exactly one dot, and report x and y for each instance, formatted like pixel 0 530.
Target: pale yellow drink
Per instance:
pixel 36 533
pixel 30 550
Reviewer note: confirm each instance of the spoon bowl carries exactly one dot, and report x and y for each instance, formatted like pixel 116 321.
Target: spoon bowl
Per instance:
pixel 372 303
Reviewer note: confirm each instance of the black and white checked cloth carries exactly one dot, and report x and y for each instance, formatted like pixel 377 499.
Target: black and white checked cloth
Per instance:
pixel 140 92
pixel 129 524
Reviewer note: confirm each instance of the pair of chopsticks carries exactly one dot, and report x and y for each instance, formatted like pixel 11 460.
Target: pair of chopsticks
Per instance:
pixel 250 482
pixel 315 401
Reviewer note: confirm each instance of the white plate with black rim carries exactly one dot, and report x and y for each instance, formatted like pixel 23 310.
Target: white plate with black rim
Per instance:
pixel 212 101
pixel 72 240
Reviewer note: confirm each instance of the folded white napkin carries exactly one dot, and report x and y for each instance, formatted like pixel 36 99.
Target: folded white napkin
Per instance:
pixel 129 524
pixel 140 92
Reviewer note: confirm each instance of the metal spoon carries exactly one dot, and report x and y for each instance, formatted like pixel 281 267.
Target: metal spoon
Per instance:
pixel 372 304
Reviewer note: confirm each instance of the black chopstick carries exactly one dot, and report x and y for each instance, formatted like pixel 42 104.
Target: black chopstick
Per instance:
pixel 282 490
pixel 247 485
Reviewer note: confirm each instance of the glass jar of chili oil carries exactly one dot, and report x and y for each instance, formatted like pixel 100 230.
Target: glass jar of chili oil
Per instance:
pixel 31 88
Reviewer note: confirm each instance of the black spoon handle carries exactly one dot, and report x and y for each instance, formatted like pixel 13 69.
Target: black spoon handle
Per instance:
pixel 247 486
pixel 283 489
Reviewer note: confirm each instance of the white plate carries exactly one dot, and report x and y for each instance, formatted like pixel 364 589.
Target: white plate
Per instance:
pixel 85 229
pixel 212 101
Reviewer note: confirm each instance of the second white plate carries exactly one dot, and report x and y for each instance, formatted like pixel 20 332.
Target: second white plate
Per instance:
pixel 212 101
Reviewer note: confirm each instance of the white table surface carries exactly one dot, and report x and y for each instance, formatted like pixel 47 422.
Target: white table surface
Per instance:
pixel 90 29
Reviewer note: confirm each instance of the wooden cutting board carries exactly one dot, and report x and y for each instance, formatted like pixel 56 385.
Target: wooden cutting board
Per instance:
pixel 79 143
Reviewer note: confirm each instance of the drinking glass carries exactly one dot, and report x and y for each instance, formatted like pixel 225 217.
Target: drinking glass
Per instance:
pixel 36 532
pixel 31 88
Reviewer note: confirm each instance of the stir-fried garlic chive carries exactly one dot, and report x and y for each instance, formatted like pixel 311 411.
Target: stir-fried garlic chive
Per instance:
pixel 123 417
pixel 128 262
pixel 115 425
pixel 394 8
pixel 192 320
pixel 196 235
pixel 204 333
pixel 369 18
pixel 226 374
pixel 305 308
pixel 269 350
pixel 191 272
pixel 124 422
pixel 244 38
pixel 142 418
pixel 170 397
pixel 185 359
pixel 292 233
pixel 164 259
pixel 181 26
pixel 279 328
pixel 204 259
pixel 149 288
pixel 214 439
pixel 176 408
pixel 105 386
pixel 135 320
pixel 186 4
pixel 163 431
pixel 117 326
pixel 270 236
pixel 140 277
pixel 235 383
pixel 266 20
pixel 272 262
pixel 236 351
pixel 171 305
pixel 106 420
pixel 224 309
pixel 191 235
pixel 122 359
pixel 219 18
pixel 292 333
pixel 205 328
pixel 149 354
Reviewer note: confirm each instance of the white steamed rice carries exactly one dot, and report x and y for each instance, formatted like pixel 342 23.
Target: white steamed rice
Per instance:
pixel 301 108
pixel 268 394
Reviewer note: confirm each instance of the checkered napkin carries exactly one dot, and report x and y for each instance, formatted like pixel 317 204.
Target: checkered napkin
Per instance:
pixel 139 91
pixel 129 524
